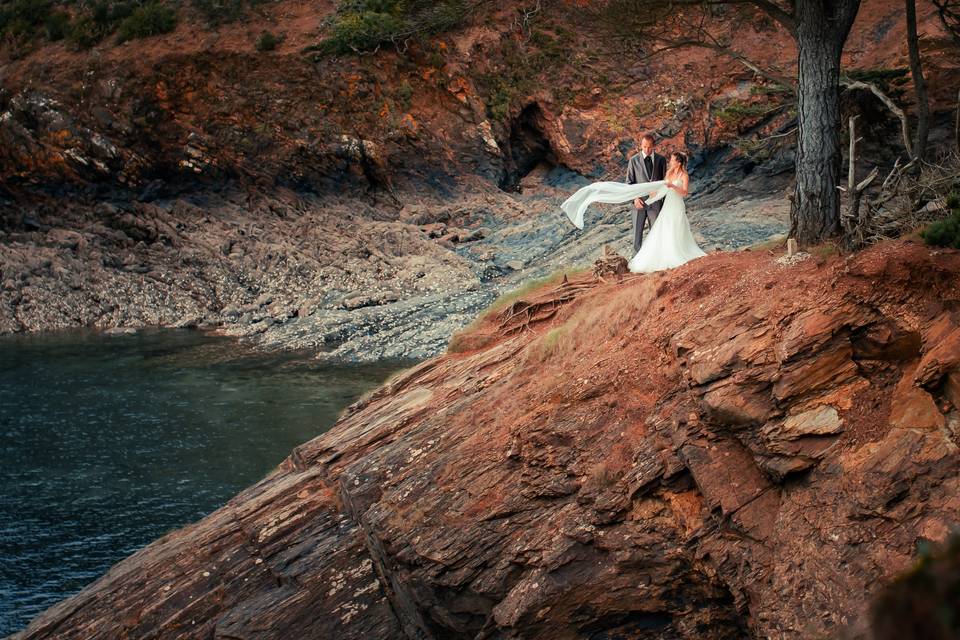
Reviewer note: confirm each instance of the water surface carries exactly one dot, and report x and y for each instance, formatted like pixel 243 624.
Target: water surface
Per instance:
pixel 107 443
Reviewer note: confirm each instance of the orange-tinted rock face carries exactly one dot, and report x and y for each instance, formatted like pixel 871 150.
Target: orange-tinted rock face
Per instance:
pixel 485 100
pixel 571 476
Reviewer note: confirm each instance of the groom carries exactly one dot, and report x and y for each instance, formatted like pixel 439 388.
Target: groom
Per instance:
pixel 646 166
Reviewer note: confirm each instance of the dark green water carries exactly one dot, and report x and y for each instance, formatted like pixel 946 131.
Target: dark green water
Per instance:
pixel 107 443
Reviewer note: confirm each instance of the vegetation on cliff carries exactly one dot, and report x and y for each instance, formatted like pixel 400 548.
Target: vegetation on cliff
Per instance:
pixel 365 25
pixel 946 232
pixel 83 24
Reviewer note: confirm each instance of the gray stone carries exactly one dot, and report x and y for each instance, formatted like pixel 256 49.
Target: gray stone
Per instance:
pixel 230 311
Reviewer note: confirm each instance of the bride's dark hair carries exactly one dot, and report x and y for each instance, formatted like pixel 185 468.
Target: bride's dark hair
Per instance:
pixel 681 158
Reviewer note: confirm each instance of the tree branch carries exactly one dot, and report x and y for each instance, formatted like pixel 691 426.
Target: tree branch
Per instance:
pixel 730 53
pixel 890 104
pixel 784 18
pixel 949 12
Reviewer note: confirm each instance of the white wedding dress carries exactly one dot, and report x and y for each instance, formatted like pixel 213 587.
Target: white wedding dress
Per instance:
pixel 669 244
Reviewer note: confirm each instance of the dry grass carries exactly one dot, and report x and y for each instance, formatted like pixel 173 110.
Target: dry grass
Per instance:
pixel 775 243
pixel 550 344
pixel 588 323
pixel 825 250
pixel 529 287
pixel 470 337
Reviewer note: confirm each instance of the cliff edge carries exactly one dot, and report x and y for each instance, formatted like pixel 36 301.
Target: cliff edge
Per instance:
pixel 741 447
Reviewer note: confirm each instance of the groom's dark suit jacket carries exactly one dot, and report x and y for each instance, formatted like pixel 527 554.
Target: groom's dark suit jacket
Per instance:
pixel 637 172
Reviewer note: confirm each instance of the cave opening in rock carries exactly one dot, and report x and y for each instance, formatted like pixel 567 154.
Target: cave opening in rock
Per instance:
pixel 529 149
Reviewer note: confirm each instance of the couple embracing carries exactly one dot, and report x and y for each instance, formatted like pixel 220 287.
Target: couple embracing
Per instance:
pixel 657 186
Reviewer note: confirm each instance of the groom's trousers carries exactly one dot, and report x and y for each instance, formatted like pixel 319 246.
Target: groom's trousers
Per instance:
pixel 640 217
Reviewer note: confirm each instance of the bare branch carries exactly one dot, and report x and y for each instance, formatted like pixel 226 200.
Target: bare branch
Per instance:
pixel 949 12
pixel 857 217
pixel 890 104
pixel 772 76
pixel 866 182
pixel 893 172
pixel 522 21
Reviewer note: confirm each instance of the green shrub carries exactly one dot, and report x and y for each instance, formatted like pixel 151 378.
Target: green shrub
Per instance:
pixel 22 18
pixel 945 233
pixel 19 28
pixel 405 94
pixel 364 25
pixel 364 31
pixel 737 111
pixel 643 108
pixel 33 12
pixel 57 26
pixel 268 41
pixel 84 32
pixel 516 77
pixel 149 20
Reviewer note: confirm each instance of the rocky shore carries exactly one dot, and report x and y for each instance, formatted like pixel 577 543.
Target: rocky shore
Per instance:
pixel 367 206
pixel 350 279
pixel 735 448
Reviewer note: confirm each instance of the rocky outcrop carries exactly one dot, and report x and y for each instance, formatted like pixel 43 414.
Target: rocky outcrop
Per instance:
pixel 189 176
pixel 355 279
pixel 730 449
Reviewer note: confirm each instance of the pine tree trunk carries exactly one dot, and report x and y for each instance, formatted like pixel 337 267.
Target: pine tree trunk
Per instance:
pixel 919 82
pixel 822 29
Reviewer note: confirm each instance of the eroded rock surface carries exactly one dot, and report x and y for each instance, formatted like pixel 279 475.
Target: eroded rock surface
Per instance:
pixel 729 449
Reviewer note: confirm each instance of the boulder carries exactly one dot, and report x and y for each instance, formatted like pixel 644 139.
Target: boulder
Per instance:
pixel 514 265
pixel 66 238
pixel 914 408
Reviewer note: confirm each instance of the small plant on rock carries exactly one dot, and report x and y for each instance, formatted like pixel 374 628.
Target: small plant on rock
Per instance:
pixel 268 41
pixel 149 20
pixel 946 232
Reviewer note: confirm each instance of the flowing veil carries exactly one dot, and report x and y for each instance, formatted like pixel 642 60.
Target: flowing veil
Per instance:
pixel 670 242
pixel 609 193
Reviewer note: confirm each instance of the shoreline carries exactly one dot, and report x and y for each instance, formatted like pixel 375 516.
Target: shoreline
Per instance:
pixel 316 273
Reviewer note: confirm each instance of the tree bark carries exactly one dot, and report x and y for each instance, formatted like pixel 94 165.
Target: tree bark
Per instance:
pixel 919 82
pixel 822 29
pixel 956 124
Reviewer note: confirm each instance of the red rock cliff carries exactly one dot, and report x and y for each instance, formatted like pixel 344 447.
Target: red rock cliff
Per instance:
pixel 735 448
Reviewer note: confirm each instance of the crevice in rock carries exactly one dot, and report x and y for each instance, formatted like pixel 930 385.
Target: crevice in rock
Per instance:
pixel 528 148
pixel 398 594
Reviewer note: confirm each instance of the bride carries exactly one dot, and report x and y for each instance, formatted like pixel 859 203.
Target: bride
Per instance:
pixel 670 242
